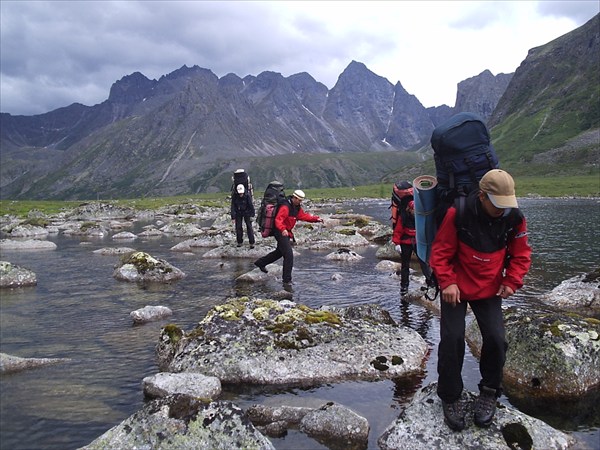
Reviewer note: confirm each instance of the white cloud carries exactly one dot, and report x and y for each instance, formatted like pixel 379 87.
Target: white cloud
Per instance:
pixel 56 53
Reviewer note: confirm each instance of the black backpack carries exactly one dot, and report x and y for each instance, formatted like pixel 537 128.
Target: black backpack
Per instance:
pixel 273 197
pixel 463 153
pixel 240 176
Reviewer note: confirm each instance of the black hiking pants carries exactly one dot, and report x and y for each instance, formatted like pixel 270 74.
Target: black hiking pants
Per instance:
pixel 239 232
pixel 405 257
pixel 451 350
pixel 284 249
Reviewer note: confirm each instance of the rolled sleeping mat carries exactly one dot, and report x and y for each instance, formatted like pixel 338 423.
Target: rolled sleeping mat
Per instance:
pixel 424 192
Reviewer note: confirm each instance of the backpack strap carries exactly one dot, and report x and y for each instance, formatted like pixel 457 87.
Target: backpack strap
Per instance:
pixel 460 204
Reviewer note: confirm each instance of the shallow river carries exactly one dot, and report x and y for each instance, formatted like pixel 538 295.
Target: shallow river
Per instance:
pixel 79 311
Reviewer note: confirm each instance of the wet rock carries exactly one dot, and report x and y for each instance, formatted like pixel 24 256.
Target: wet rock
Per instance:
pixel 256 276
pixel 333 425
pixel 14 276
pixel 194 384
pixel 184 422
pixel 150 232
pixel 421 426
pixel 87 229
pixel 124 235
pixel 580 294
pixel 113 250
pixel 27 244
pixel 181 229
pixel 9 363
pixel 315 237
pixel 27 230
pixel 343 254
pixel 150 313
pixel 208 240
pixel 142 267
pixel 337 427
pixel 387 265
pixel 550 355
pixel 99 211
pixel 269 342
pixel 388 251
pixel 231 251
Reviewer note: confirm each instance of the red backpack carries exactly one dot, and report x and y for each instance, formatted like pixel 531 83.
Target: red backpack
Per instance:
pixel 402 193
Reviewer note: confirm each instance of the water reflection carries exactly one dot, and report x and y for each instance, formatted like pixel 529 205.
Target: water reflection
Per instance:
pixel 79 311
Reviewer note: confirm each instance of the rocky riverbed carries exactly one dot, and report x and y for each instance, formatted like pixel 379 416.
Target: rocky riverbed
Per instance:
pixel 276 341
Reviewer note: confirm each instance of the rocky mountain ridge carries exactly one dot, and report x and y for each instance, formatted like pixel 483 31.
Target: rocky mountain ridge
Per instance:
pixel 189 130
pixel 169 136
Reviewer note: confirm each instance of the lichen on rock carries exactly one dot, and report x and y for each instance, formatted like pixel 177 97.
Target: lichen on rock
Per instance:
pixel 261 341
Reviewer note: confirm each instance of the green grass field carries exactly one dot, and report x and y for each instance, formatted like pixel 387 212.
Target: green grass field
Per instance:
pixel 544 186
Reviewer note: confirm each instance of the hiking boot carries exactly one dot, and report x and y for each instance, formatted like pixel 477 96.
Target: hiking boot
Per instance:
pixel 239 244
pixel 251 246
pixel 485 407
pixel 454 415
pixel 262 268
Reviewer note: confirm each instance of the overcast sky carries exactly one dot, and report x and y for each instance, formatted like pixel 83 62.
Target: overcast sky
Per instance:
pixel 54 53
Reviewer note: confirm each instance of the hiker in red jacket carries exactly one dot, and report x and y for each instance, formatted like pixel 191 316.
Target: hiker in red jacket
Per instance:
pixel 288 213
pixel 479 256
pixel 405 240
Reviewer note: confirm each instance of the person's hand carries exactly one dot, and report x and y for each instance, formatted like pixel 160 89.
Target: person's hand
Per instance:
pixel 451 294
pixel 285 233
pixel 320 221
pixel 399 248
pixel 505 291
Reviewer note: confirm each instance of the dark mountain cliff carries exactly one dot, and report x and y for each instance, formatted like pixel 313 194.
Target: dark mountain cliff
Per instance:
pixel 550 111
pixel 188 130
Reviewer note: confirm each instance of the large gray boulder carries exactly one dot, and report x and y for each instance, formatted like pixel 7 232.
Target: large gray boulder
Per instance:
pixel 184 422
pixel 13 276
pixel 27 244
pixel 142 267
pixel 333 425
pixel 580 294
pixel 421 426
pixel 258 341
pixel 550 355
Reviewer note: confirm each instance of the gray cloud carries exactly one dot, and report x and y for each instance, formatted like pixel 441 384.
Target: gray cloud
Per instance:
pixel 58 52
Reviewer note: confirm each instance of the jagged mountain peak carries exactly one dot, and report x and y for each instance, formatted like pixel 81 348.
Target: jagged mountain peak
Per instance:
pixel 188 130
pixel 131 88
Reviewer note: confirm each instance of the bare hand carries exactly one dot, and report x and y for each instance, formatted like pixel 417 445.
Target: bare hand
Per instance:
pixel 284 233
pixel 451 294
pixel 505 291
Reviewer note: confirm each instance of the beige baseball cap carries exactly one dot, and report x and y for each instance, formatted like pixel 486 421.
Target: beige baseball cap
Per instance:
pixel 500 188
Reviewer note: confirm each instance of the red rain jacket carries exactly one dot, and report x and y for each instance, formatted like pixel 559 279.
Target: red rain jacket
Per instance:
pixel 478 274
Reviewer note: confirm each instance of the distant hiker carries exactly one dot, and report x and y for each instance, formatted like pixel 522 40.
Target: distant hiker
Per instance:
pixel 404 238
pixel 242 210
pixel 288 213
pixel 480 256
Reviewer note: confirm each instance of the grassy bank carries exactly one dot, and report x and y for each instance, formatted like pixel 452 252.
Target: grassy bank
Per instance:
pixel 544 186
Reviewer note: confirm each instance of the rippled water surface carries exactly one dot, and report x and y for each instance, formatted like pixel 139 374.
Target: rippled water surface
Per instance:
pixel 79 311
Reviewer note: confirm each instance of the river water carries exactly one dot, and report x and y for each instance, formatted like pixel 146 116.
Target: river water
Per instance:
pixel 79 311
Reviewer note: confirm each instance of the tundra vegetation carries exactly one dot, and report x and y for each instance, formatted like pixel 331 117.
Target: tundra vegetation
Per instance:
pixel 537 186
